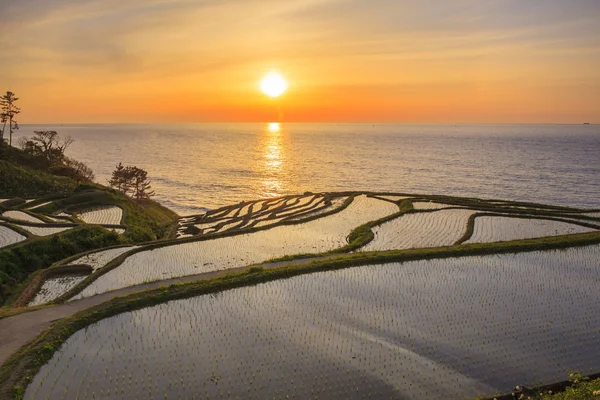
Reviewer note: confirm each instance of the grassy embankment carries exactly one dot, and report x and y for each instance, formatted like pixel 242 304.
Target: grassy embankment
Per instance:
pixel 16 373
pixel 578 387
pixel 144 220
pixel 358 238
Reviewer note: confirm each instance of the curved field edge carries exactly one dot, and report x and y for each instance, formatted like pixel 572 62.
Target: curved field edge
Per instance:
pixel 144 222
pixel 21 367
pixel 20 261
pixel 26 291
pixel 17 229
pixel 116 262
pixel 471 222
pixel 39 278
pixel 358 237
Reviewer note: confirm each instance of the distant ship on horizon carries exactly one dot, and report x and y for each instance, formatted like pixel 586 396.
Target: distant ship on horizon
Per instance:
pixel 586 123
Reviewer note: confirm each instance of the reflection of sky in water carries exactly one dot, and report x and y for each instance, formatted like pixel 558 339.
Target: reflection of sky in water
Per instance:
pixel 452 328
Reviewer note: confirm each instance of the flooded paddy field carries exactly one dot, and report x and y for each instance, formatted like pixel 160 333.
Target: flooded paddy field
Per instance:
pixel 110 215
pixel 9 236
pixel 432 229
pixel 316 236
pixel 497 229
pixel 453 328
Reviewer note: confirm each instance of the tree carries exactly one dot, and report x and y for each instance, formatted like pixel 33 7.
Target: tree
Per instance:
pixel 79 171
pixel 131 179
pixel 48 145
pixel 141 185
pixel 119 179
pixel 8 111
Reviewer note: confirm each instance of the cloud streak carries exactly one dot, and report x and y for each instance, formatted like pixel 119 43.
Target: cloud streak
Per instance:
pixel 128 49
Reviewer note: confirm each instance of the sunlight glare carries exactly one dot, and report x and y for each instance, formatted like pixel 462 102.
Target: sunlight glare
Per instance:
pixel 273 127
pixel 273 85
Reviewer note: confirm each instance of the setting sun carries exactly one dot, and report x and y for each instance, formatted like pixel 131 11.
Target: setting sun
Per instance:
pixel 273 84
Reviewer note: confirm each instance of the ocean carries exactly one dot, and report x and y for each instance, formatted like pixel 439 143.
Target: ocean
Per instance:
pixel 194 167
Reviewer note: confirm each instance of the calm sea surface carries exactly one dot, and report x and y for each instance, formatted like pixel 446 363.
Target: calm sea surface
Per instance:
pixel 196 166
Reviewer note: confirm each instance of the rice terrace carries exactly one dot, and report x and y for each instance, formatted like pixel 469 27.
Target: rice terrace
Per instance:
pixel 319 295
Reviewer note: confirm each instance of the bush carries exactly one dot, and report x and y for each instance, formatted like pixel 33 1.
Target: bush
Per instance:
pixel 16 263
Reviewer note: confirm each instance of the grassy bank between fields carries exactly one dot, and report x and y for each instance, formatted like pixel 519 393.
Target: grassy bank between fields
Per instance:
pixel 18 371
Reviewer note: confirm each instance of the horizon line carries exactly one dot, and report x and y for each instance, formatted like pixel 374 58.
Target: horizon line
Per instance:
pixel 314 122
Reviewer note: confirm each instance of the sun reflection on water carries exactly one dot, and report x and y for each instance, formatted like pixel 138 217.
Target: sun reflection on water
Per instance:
pixel 273 127
pixel 274 161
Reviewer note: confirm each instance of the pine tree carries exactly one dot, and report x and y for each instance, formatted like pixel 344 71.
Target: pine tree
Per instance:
pixel 131 179
pixel 119 179
pixel 8 112
pixel 140 184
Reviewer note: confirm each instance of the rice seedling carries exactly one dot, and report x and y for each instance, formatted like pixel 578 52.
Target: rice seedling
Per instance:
pixel 109 215
pixel 453 328
pixel 425 229
pixel 9 236
pixel 317 236
pixel 498 229
pixel 54 288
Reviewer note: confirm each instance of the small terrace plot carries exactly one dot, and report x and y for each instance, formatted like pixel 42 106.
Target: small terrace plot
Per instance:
pixel 54 288
pixel 498 229
pixel 9 236
pixel 100 258
pixel 109 215
pixel 21 216
pixel 415 230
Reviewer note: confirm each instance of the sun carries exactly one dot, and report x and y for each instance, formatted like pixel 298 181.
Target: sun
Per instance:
pixel 273 84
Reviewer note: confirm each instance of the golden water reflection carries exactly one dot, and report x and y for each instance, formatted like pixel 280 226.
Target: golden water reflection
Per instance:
pixel 273 127
pixel 274 161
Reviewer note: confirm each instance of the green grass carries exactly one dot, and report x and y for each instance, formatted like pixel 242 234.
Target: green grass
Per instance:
pixel 149 221
pixel 18 370
pixel 17 262
pixel 578 387
pixel 23 177
pixel 16 373
pixel 20 181
pixel 581 389
pixel 146 221
pixel 359 237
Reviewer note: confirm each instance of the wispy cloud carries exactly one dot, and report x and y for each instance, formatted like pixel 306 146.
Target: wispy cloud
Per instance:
pixel 87 47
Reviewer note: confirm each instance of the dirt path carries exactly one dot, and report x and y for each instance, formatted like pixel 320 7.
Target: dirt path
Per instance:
pixel 18 330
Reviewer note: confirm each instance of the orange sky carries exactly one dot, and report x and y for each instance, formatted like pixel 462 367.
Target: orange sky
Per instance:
pixel 346 60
